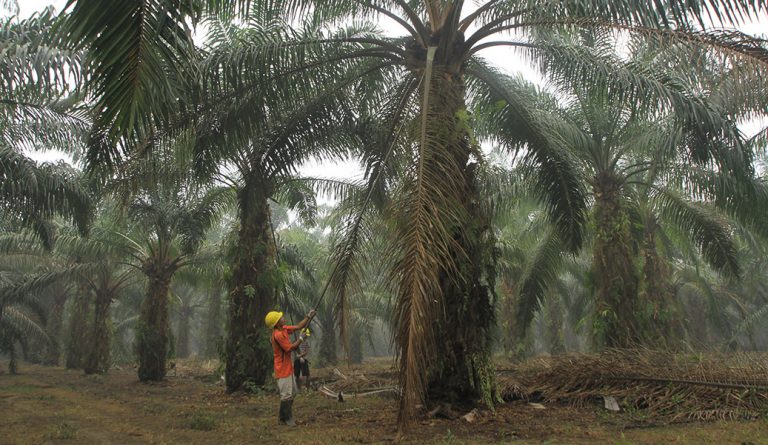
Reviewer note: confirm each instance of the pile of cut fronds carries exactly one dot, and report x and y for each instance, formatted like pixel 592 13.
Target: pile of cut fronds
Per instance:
pixel 651 385
pixel 194 367
pixel 359 382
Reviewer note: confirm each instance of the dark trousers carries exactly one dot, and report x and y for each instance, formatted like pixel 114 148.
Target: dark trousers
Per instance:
pixel 300 369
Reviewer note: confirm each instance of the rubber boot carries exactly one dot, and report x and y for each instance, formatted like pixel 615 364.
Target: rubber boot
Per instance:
pixel 283 409
pixel 289 413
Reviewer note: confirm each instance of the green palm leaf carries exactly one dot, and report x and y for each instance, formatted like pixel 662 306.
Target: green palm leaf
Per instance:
pixel 540 271
pixel 137 50
pixel 708 230
pixel 509 106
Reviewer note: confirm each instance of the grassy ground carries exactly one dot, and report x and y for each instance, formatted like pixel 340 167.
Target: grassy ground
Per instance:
pixel 53 405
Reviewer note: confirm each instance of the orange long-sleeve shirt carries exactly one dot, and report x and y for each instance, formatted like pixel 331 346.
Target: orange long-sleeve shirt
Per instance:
pixel 281 346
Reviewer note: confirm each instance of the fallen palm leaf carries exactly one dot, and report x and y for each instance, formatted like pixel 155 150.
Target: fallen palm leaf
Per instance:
pixel 655 385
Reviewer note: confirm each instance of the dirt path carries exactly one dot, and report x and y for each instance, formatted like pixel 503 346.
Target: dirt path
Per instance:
pixel 52 405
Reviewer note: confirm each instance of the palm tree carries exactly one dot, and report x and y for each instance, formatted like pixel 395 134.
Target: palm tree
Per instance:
pixel 106 281
pixel 100 281
pixel 253 138
pixel 35 278
pixel 20 323
pixel 23 279
pixel 171 216
pixel 88 268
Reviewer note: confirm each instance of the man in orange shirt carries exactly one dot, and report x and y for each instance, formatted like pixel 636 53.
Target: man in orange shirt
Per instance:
pixel 282 347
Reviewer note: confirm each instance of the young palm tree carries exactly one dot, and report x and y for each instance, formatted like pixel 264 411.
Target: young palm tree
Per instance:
pixel 36 278
pixel 106 282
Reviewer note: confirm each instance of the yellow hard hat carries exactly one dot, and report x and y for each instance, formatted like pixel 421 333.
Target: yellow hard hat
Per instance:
pixel 306 332
pixel 272 318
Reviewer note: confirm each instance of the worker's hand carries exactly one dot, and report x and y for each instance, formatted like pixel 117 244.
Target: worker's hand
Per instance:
pixel 311 314
pixel 301 360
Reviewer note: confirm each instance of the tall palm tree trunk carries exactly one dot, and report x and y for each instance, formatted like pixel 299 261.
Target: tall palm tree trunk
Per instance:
pixel 614 272
pixel 153 329
pixel 98 360
pixel 251 291
pixel 327 351
pixel 78 329
pixel 555 335
pixel 213 324
pixel 182 338
pixel 463 371
pixel 656 291
pixel 515 343
pixel 53 329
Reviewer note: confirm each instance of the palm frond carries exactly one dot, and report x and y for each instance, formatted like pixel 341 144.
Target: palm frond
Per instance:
pixel 21 325
pixel 204 212
pixel 668 15
pixel 298 195
pixel 22 289
pixel 539 273
pixel 11 6
pixel 746 199
pixel 136 53
pixel 34 193
pixel 708 230
pixel 556 177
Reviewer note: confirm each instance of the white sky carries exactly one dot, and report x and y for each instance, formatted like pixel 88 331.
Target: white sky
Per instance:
pixel 503 57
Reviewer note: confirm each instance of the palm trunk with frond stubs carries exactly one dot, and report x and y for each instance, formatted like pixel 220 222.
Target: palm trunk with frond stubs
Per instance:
pixel 555 336
pixel 327 349
pixel 616 283
pixel 98 360
pixel 152 333
pixel 78 329
pixel 53 329
pixel 212 326
pixel 182 338
pixel 656 292
pixel 251 291
pixel 509 340
pixel 460 319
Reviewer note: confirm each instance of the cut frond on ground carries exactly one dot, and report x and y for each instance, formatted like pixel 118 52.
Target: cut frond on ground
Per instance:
pixel 652 385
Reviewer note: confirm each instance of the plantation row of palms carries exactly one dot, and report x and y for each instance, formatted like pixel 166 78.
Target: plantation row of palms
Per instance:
pixel 617 198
